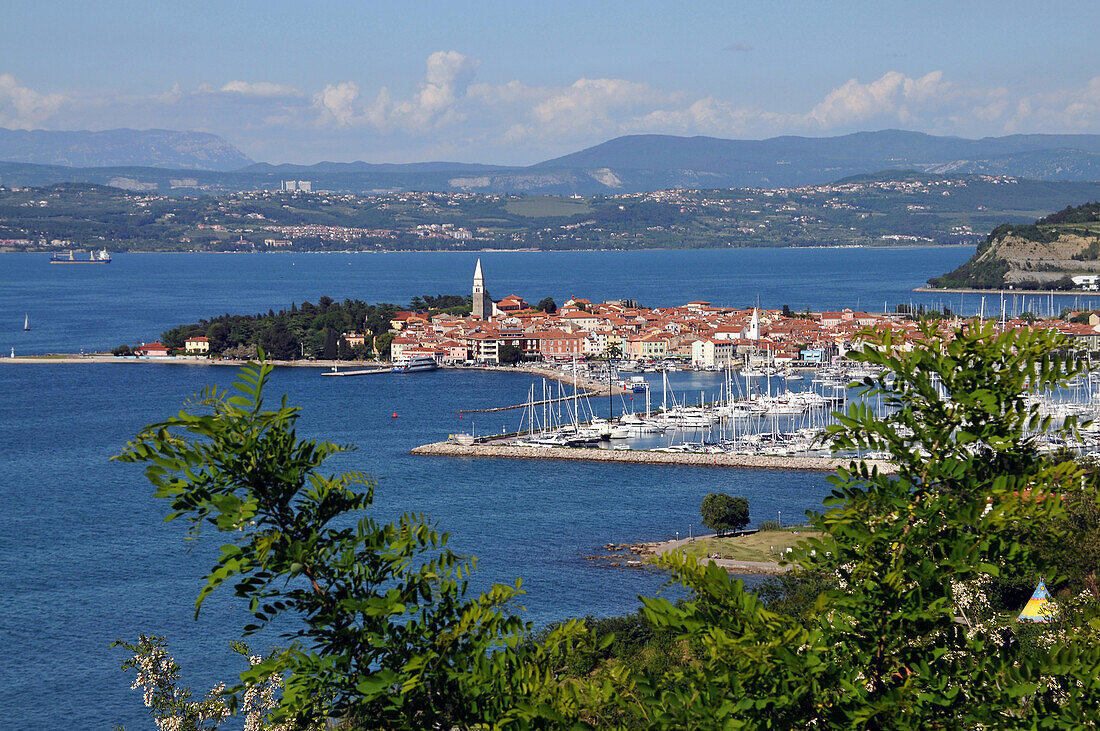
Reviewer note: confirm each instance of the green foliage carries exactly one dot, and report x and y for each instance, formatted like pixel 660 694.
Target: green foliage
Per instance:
pixel 170 704
pixel 1090 252
pixel 988 273
pixel 722 513
pixel 509 354
pixel 547 304
pixel 877 626
pixel 795 593
pixel 331 347
pixel 382 344
pixel 882 648
pixel 308 329
pixel 1087 213
pixel 387 632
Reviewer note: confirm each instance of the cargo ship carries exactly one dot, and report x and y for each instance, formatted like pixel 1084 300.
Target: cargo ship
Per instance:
pixel 94 257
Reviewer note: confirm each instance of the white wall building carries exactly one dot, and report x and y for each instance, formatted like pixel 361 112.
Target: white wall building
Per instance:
pixel 711 352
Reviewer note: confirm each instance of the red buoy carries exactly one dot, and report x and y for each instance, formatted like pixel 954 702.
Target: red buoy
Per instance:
pixel 395 414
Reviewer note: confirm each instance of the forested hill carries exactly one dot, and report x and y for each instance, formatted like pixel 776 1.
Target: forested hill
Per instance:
pixel 1044 255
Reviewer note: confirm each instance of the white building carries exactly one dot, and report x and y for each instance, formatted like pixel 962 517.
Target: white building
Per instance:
pixel 711 352
pixel 1090 282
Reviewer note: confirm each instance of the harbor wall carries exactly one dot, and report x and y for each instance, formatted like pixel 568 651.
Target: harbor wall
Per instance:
pixel 752 461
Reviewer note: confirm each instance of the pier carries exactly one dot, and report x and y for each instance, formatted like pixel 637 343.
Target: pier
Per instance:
pixel 626 456
pixel 361 372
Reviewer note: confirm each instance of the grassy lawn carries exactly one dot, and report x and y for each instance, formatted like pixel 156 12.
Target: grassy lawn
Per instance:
pixel 762 546
pixel 540 206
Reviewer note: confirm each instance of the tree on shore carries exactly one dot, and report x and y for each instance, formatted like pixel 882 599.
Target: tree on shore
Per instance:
pixel 510 354
pixel 548 305
pixel 332 346
pixel 722 512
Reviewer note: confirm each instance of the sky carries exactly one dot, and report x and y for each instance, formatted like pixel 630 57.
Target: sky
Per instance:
pixel 513 83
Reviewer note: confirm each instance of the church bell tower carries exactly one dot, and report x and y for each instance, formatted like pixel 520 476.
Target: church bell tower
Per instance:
pixel 483 305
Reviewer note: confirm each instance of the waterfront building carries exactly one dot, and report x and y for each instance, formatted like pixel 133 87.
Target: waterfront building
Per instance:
pixel 560 345
pixel 483 346
pixel 197 345
pixel 153 350
pixel 710 352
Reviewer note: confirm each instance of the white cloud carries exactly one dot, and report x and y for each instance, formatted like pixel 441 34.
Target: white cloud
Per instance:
pixel 1064 110
pixel 449 114
pixel 592 105
pixel 446 80
pixel 260 88
pixel 892 94
pixel 337 102
pixel 25 108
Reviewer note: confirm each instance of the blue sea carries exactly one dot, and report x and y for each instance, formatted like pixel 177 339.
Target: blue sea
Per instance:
pixel 86 558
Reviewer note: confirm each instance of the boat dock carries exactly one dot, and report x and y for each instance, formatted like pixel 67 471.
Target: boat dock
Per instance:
pixel 750 461
pixel 362 372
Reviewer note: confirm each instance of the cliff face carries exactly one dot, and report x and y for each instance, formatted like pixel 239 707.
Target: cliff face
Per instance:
pixel 1037 256
pixel 1043 261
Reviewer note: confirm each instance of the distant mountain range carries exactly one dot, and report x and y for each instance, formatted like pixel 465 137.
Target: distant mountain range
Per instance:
pixel 163 160
pixel 156 148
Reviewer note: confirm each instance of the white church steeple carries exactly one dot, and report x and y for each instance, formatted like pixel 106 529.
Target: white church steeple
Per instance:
pixel 482 304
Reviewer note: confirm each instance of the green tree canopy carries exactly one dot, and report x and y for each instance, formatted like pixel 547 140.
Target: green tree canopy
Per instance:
pixel 722 512
pixel 509 354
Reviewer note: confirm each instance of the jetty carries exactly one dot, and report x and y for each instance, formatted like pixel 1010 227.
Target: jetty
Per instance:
pixel 630 456
pixel 360 372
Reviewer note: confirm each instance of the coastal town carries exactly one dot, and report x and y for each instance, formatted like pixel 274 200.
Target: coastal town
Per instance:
pixel 296 215
pixel 697 333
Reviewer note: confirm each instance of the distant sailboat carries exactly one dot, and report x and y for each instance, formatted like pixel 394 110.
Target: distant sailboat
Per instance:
pixel 26 322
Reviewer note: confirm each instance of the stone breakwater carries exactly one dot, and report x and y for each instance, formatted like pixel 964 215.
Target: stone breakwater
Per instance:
pixel 752 461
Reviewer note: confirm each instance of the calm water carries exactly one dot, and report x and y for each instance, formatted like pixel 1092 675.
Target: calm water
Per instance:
pixel 85 557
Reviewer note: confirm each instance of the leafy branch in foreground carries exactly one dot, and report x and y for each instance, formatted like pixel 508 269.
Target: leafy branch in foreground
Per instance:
pixel 899 636
pixel 386 631
pixel 158 676
pixel 883 649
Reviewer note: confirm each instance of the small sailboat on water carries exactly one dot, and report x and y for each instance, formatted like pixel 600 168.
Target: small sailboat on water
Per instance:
pixel 26 322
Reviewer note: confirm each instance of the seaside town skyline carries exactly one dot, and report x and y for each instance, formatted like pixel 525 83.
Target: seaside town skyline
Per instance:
pixel 696 332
